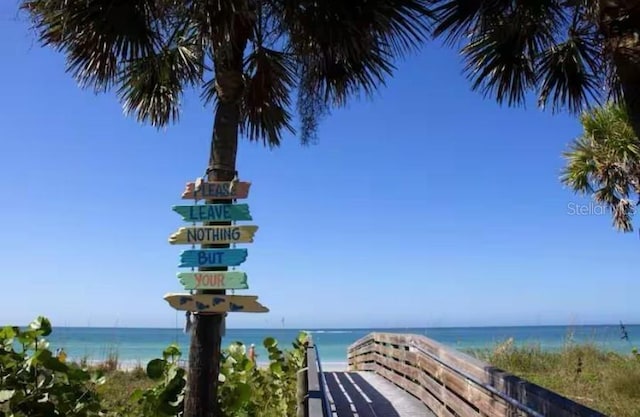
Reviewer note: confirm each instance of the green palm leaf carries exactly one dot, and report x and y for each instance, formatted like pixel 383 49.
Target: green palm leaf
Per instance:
pixel 566 73
pixel 253 54
pixel 605 163
pixel 151 86
pixel 510 47
pixel 271 78
pixel 97 35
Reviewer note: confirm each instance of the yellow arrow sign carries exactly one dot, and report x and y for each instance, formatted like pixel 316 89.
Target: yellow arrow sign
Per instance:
pixel 213 234
pixel 212 303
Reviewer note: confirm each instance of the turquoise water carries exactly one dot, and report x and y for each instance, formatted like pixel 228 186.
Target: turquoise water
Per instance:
pixel 139 345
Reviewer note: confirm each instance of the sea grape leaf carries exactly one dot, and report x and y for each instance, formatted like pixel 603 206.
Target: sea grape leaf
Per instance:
pixel 155 368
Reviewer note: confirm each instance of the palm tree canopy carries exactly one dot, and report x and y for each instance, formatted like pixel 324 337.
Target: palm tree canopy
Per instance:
pixel 316 53
pixel 605 162
pixel 552 47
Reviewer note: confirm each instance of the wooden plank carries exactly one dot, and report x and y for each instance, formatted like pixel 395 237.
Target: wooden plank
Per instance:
pixel 213 234
pixel 229 280
pixel 473 394
pixel 216 190
pixel 213 303
pixel 212 257
pixel 462 408
pixel 213 212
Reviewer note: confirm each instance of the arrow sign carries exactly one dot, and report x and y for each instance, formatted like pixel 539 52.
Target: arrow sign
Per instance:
pixel 228 280
pixel 213 234
pixel 216 190
pixel 212 303
pixel 212 257
pixel 213 212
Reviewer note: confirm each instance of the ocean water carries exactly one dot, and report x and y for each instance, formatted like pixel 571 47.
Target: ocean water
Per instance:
pixel 139 345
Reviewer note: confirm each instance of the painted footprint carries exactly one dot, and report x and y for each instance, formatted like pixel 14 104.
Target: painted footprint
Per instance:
pixel 235 307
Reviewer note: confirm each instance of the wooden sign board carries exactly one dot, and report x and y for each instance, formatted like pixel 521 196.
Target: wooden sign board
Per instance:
pixel 213 212
pixel 212 303
pixel 216 190
pixel 227 280
pixel 212 257
pixel 213 234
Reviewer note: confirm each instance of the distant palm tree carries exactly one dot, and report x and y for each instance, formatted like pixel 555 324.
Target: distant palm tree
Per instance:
pixel 568 51
pixel 605 162
pixel 252 58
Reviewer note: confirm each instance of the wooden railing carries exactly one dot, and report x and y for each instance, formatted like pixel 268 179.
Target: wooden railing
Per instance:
pixel 453 384
pixel 311 395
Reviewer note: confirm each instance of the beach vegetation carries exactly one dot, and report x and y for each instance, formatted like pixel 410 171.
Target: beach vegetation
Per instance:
pixel 111 362
pixel 246 389
pixel 35 383
pixel 605 381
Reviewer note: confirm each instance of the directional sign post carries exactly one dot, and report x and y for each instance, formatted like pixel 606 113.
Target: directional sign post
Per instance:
pixel 207 300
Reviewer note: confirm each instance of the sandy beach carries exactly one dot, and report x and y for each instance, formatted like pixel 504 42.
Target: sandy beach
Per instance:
pixel 131 365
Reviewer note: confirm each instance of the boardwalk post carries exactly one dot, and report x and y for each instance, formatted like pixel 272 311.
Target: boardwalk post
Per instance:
pixel 301 393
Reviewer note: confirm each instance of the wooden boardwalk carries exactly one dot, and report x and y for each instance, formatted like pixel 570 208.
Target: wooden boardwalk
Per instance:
pixel 404 375
pixel 365 394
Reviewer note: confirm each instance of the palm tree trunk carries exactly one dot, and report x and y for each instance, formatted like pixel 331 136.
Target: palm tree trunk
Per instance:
pixel 201 397
pixel 619 22
pixel 628 70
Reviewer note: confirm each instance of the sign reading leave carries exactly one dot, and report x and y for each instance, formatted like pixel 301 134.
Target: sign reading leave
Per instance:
pixel 213 212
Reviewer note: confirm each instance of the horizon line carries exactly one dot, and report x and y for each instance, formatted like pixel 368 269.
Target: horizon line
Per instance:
pixel 300 328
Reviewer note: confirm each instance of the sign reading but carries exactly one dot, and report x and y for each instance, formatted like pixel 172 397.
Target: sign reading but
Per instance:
pixel 194 258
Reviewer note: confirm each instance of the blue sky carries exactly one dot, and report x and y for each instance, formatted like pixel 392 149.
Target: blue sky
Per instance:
pixel 427 206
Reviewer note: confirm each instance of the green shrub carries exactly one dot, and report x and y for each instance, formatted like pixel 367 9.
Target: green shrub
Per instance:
pixel 245 390
pixel 34 383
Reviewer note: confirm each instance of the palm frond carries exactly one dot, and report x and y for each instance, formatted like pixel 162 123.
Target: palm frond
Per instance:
pixel 346 48
pixel 97 35
pixel 271 77
pixel 151 86
pixel 498 63
pixel 567 73
pixel 581 166
pixel 458 19
pixel 605 162
pixel 501 53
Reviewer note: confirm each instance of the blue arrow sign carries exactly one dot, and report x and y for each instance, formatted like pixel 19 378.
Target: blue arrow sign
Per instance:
pixel 212 257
